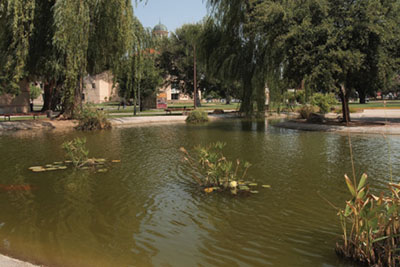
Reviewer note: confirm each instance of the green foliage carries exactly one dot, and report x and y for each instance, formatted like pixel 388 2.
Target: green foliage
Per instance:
pixel 211 168
pixel 323 101
pixel 370 224
pixel 305 111
pixel 76 151
pixel 177 59
pixel 60 42
pixel 16 20
pixel 197 116
pixel 138 75
pixel 34 91
pixel 90 118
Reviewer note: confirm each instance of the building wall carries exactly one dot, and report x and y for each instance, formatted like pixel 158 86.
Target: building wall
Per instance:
pixel 16 104
pixel 99 89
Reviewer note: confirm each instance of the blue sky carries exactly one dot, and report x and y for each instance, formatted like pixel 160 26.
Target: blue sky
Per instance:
pixel 172 13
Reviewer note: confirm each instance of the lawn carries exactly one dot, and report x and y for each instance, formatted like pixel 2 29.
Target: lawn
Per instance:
pixel 391 104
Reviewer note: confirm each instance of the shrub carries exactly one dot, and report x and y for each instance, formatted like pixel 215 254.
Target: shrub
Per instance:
pixel 76 151
pixel 90 118
pixel 373 234
pixel 323 101
pixel 197 116
pixel 305 111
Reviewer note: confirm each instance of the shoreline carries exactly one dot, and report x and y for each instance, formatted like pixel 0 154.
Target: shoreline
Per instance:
pixel 6 261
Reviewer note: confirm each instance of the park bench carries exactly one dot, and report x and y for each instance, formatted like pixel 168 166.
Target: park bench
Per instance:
pixel 184 110
pixel 34 114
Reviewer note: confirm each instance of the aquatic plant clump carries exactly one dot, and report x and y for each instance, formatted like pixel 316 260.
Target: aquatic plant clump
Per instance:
pixel 197 116
pixel 371 225
pixel 91 118
pixel 76 151
pixel 214 172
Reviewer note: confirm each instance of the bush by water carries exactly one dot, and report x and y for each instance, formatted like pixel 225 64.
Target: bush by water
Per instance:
pixel 197 116
pixel 90 118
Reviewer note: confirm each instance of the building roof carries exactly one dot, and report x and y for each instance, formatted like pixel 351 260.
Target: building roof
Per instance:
pixel 160 27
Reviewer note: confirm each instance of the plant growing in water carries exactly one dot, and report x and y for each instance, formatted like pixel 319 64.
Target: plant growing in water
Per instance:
pixel 371 226
pixel 76 151
pixel 213 171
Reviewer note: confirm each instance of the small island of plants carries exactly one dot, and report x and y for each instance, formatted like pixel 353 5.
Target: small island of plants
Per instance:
pixel 213 172
pixel 77 157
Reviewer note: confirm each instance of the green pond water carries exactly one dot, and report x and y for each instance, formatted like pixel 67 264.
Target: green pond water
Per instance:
pixel 145 211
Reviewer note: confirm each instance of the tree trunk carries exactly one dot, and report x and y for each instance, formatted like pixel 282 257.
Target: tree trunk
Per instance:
pixel 247 105
pixel 56 99
pixel 78 97
pixel 48 95
pixel 344 96
pixel 362 96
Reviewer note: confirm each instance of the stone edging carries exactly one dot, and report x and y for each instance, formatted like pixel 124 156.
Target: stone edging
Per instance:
pixel 391 129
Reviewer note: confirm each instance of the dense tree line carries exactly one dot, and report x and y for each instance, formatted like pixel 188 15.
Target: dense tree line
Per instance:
pixel 325 45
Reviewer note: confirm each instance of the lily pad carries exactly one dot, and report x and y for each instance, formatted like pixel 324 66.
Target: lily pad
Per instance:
pixel 253 184
pixel 116 161
pixel 62 167
pixel 39 170
pixel 254 192
pixel 266 186
pixel 102 170
pixel 68 161
pixel 244 187
pixel 35 167
pixel 51 169
pixel 57 163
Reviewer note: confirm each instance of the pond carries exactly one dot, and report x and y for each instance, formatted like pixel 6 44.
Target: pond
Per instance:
pixel 145 211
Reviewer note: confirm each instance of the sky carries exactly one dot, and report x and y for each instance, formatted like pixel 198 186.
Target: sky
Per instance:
pixel 172 13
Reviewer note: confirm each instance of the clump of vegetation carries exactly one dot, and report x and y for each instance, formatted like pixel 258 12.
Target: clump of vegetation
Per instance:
pixel 77 155
pixel 90 118
pixel 371 225
pixel 197 116
pixel 305 111
pixel 214 172
pixel 76 151
pixel 323 101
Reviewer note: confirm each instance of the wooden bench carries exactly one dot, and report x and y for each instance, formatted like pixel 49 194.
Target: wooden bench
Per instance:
pixel 184 110
pixel 34 114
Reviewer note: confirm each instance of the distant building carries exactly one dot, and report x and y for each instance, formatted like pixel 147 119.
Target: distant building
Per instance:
pixel 99 89
pixel 16 104
pixel 160 30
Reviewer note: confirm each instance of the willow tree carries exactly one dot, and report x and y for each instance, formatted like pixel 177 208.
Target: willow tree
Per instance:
pixel 138 76
pixel 16 20
pixel 59 42
pixel 237 54
pixel 93 36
